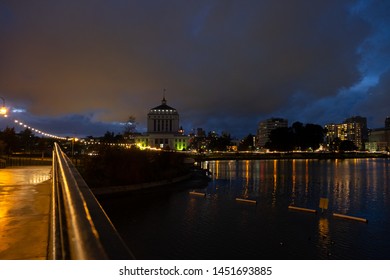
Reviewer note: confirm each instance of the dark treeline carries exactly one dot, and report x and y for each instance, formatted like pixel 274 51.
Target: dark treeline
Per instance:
pixel 297 137
pixel 24 142
pixel 211 142
pixel 247 144
pixel 115 166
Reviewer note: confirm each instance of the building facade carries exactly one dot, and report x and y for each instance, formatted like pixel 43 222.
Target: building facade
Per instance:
pixel 363 127
pixel 350 130
pixel 163 119
pixel 344 132
pixel 265 127
pixel 163 130
pixel 379 139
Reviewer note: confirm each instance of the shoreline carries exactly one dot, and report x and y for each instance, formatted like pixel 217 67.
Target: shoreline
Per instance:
pixel 196 178
pixel 285 155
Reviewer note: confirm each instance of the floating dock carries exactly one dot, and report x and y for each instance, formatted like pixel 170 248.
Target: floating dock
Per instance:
pixel 350 217
pixel 302 209
pixel 246 200
pixel 198 194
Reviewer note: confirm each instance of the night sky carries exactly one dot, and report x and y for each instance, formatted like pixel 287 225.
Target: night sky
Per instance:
pixel 81 67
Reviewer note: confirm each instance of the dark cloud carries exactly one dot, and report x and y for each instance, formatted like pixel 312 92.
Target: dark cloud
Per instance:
pixel 226 64
pixel 377 99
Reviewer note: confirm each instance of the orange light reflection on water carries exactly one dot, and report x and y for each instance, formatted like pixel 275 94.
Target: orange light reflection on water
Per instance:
pixel 275 182
pixel 306 176
pixel 12 179
pixel 293 183
pixel 323 236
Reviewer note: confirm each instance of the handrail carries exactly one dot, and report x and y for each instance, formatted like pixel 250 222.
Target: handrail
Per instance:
pixel 80 229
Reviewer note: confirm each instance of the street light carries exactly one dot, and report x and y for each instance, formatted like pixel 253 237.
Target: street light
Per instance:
pixel 74 139
pixel 3 109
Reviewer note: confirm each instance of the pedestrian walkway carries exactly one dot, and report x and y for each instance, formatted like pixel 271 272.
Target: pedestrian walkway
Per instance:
pixel 24 212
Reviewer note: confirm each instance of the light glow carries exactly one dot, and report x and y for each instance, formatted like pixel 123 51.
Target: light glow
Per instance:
pixel 3 111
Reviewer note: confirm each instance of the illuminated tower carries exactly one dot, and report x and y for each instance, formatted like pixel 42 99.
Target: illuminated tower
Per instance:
pixel 163 129
pixel 163 119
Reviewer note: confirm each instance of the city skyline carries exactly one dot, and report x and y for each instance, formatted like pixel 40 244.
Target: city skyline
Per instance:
pixel 74 68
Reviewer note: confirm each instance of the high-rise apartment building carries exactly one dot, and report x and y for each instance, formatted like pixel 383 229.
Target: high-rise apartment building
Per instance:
pixel 265 127
pixel 363 126
pixel 351 129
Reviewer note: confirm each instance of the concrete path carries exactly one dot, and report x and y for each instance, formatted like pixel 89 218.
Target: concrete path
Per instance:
pixel 24 212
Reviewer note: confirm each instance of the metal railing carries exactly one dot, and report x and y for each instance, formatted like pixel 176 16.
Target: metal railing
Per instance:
pixel 80 229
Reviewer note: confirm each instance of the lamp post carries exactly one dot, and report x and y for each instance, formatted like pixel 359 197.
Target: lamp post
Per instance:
pixel 3 109
pixel 74 139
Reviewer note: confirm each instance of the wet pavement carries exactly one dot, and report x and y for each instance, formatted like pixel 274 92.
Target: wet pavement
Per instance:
pixel 24 212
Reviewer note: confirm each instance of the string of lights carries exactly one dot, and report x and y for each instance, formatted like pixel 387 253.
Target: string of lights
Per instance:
pixel 45 134
pixel 83 141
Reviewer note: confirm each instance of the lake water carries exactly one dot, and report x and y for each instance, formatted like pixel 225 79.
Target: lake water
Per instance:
pixel 173 224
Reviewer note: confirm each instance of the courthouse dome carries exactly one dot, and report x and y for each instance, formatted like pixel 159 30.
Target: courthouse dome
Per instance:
pixel 163 108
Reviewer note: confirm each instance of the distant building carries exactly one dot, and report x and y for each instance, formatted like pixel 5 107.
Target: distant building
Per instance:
pixel 363 126
pixel 379 139
pixel 265 127
pixel 163 130
pixel 200 132
pixel 234 145
pixel 332 132
pixel 352 129
pixel 198 140
pixel 349 130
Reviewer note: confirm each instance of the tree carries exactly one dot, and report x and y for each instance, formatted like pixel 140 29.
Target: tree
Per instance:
pixel 109 137
pixel 335 144
pixel 297 137
pixel 27 140
pixel 246 144
pixel 130 126
pixel 313 136
pixel 281 139
pixel 347 145
pixel 8 136
pixel 3 147
pixel 218 143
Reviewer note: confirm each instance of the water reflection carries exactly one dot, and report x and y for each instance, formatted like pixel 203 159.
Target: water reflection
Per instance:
pixel 293 183
pixel 14 186
pixel 26 175
pixel 222 228
pixel 323 236
pixel 344 182
pixel 275 180
pixel 15 189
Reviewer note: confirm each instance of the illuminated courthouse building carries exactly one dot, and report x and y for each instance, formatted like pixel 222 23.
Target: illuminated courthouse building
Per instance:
pixel 163 130
pixel 265 127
